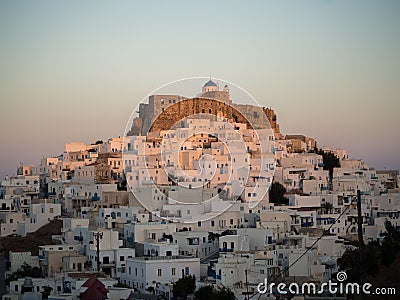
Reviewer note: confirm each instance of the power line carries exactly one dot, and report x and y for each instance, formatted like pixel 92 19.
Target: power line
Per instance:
pixel 326 231
pixel 307 250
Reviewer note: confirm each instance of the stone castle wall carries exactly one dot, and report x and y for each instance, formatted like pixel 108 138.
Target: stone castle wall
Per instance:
pixel 152 118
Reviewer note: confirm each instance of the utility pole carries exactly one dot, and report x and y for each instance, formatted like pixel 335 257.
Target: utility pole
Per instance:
pixel 359 220
pixel 98 236
pixel 247 287
pixel 360 239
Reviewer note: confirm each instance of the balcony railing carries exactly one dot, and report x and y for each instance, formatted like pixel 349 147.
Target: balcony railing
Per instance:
pixel 225 250
pixel 307 224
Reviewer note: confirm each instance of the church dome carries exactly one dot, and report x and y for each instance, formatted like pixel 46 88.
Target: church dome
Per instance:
pixel 28 283
pixel 210 83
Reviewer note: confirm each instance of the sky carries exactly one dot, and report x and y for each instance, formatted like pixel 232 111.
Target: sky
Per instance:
pixel 75 70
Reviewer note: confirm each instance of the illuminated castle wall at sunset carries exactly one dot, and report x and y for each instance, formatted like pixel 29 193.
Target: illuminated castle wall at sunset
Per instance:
pixel 163 111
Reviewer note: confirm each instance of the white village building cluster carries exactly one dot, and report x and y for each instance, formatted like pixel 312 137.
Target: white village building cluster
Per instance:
pixel 142 211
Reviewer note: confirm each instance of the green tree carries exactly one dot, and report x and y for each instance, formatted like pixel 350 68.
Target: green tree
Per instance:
pixel 392 233
pixel 227 232
pixel 330 161
pixel 210 293
pixel 121 285
pixel 327 207
pixel 205 292
pixel 25 271
pixel 277 194
pixel 184 287
pixel 373 255
pixel 350 262
pixel 390 245
pixel 212 236
pixel 225 294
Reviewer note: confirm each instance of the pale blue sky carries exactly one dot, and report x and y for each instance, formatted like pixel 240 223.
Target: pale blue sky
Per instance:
pixel 74 70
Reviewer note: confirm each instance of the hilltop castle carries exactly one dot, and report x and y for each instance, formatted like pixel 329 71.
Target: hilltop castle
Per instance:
pixel 163 111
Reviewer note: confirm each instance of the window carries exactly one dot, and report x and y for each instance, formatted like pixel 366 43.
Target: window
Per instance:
pixel 212 223
pixel 173 271
pixel 159 272
pixel 52 210
pixel 186 270
pixel 122 258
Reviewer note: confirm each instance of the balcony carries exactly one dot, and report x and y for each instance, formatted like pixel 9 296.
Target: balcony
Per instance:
pixel 107 265
pixel 225 250
pixel 193 242
pixel 307 224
